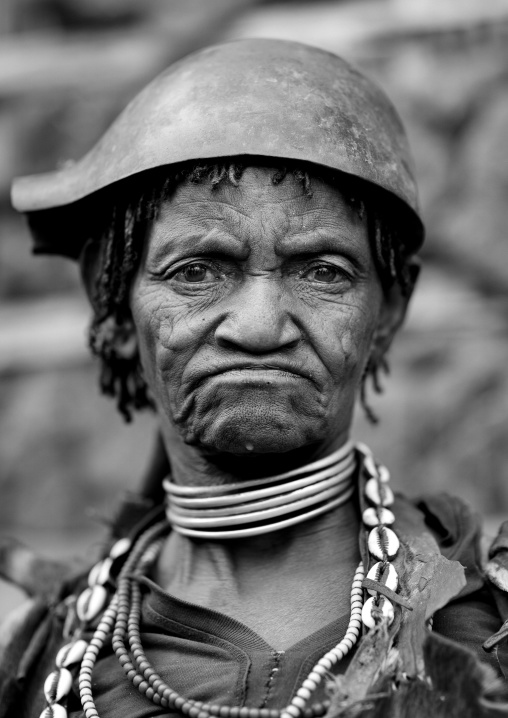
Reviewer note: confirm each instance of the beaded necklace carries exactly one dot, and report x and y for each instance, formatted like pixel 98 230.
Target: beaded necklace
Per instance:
pixel 121 617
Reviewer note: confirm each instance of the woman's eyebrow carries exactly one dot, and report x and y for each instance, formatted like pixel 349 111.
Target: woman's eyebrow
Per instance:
pixel 215 243
pixel 316 242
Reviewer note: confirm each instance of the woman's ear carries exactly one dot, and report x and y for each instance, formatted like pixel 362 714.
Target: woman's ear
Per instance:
pixel 90 263
pixel 116 339
pixel 393 313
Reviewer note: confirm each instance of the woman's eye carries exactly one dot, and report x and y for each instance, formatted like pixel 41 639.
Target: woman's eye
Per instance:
pixel 194 273
pixel 325 274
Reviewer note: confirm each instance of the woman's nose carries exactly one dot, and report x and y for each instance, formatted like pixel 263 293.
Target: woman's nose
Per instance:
pixel 258 320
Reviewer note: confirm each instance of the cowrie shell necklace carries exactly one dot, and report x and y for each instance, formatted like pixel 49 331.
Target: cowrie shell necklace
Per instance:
pixel 383 543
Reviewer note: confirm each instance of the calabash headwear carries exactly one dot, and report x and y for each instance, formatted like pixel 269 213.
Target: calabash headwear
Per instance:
pixel 267 98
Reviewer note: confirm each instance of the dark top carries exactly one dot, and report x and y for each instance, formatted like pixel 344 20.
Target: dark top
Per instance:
pixel 209 657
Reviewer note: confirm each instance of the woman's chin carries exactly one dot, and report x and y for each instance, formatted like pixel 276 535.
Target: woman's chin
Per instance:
pixel 248 437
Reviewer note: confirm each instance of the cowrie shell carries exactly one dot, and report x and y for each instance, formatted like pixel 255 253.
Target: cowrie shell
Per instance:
pixel 71 653
pixel 120 548
pixel 363 448
pixel 91 602
pixel 370 466
pixel 374 517
pixel 100 573
pixel 383 542
pixel 389 578
pixel 378 493
pixel 383 474
pixel 386 610
pixel 54 711
pixel 57 685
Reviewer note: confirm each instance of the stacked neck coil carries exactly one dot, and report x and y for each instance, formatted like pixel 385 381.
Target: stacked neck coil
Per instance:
pixel 259 506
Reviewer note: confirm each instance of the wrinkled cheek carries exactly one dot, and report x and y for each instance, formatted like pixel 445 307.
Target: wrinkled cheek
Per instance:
pixel 354 353
pixel 355 344
pixel 165 350
pixel 148 351
pixel 149 329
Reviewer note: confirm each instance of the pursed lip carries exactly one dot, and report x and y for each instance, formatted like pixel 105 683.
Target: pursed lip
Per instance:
pixel 262 367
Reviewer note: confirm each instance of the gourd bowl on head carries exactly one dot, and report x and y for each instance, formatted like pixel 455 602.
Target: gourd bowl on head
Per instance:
pixel 267 98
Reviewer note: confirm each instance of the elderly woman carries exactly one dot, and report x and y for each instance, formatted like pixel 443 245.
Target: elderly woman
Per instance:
pixel 246 232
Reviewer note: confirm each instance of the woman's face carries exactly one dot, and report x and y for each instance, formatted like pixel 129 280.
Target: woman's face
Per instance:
pixel 256 308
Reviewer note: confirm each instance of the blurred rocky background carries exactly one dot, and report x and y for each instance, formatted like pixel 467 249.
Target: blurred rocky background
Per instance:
pixel 67 67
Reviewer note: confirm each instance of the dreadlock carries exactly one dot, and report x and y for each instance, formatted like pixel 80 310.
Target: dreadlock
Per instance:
pixel 135 203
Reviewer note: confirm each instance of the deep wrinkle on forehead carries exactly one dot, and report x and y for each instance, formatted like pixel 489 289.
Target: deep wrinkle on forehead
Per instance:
pixel 230 223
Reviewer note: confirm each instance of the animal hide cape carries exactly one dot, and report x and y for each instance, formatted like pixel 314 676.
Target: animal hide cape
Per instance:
pixel 454 685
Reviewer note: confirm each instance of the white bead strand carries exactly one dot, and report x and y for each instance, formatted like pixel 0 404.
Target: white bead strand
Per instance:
pixel 87 664
pixel 326 663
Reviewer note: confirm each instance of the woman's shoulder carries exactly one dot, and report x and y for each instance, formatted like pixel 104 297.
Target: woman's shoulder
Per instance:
pixel 455 526
pixel 458 532
pixel 475 616
pixel 30 633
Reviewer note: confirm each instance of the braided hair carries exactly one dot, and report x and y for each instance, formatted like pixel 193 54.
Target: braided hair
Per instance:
pixel 132 204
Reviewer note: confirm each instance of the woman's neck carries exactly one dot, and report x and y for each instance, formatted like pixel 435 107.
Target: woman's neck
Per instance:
pixel 191 465
pixel 284 585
